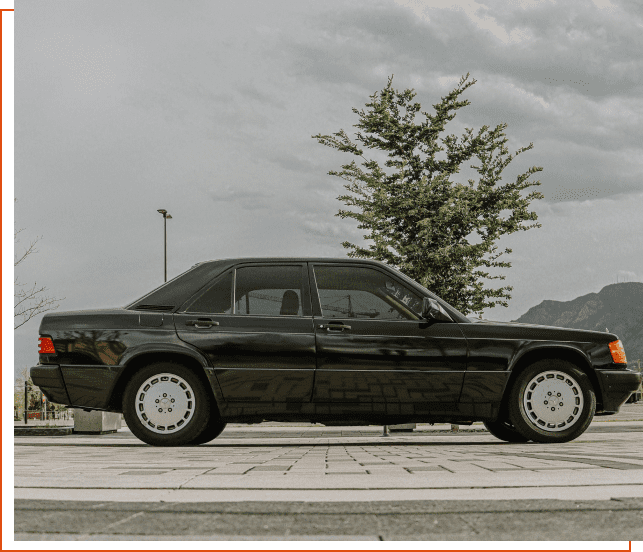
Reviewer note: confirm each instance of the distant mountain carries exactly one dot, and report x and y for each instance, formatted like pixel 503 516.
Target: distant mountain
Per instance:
pixel 617 307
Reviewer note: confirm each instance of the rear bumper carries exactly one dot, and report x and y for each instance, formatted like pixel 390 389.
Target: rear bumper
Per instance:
pixel 617 386
pixel 80 386
pixel 50 380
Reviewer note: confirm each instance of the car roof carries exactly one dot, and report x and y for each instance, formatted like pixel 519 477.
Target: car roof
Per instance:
pixel 290 260
pixel 171 294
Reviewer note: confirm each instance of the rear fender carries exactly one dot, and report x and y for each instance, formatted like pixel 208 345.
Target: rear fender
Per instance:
pixel 150 353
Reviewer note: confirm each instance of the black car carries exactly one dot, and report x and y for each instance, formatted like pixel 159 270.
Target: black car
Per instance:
pixel 322 340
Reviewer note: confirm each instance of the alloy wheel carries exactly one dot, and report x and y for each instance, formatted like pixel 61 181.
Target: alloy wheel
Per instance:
pixel 165 403
pixel 553 401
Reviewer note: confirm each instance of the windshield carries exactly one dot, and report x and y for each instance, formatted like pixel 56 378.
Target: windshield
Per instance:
pixel 455 313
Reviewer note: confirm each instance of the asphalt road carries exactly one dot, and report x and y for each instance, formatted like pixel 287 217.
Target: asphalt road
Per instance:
pixel 445 520
pixel 276 482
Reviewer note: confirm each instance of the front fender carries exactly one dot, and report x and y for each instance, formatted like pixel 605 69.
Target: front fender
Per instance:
pixel 528 352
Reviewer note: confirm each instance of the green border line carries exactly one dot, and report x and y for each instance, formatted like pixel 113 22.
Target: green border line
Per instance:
pixel 7 394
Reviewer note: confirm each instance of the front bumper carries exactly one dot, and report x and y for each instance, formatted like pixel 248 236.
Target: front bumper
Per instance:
pixel 617 386
pixel 50 380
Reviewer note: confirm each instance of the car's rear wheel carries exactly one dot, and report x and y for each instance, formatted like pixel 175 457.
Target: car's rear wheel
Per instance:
pixel 552 401
pixel 214 428
pixel 505 431
pixel 166 404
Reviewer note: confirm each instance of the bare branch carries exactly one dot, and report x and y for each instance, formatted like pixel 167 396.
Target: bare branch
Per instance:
pixel 29 302
pixel 31 249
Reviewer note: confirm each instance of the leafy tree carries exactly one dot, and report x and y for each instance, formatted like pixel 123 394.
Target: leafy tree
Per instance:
pixel 436 230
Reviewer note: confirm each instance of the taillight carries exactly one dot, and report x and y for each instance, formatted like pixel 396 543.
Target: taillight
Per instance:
pixel 46 346
pixel 617 351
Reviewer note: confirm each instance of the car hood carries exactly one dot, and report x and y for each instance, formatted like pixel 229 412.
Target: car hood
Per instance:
pixel 519 330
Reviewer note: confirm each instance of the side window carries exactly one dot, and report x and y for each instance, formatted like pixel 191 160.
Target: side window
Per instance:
pixel 216 299
pixel 354 292
pixel 269 290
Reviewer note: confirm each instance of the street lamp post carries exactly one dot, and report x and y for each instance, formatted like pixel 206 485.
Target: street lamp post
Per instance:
pixel 166 216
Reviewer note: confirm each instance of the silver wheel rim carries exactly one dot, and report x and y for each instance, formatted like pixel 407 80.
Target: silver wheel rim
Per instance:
pixel 553 401
pixel 165 403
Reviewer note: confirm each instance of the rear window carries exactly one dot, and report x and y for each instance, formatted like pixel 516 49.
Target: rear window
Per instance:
pixel 215 299
pixel 174 293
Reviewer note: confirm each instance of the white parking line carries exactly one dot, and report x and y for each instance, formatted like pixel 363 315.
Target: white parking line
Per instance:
pixel 598 492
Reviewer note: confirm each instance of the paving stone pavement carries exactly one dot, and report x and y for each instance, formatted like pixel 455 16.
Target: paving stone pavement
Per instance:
pixel 303 482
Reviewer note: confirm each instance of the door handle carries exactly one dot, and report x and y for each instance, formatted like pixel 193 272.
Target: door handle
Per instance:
pixel 334 327
pixel 201 323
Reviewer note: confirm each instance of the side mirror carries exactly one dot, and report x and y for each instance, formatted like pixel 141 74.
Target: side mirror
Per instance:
pixel 431 310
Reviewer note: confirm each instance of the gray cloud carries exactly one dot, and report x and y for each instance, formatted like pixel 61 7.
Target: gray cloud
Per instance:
pixel 570 45
pixel 208 111
pixel 248 199
pixel 251 92
pixel 293 162
pixel 331 231
pixel 581 247
pixel 566 76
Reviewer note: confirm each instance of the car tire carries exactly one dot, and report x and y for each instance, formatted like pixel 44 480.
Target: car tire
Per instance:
pixel 505 431
pixel 214 428
pixel 166 405
pixel 552 401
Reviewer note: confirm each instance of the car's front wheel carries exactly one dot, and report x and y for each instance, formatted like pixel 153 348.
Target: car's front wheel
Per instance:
pixel 166 404
pixel 552 401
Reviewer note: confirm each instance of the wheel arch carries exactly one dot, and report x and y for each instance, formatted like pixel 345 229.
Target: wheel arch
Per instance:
pixel 145 359
pixel 569 354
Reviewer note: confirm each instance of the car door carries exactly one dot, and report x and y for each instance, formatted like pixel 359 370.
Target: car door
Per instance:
pixel 374 348
pixel 254 323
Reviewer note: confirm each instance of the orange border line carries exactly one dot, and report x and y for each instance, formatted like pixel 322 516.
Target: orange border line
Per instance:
pixel 400 550
pixel 1 152
pixel 444 550
pixel 1 188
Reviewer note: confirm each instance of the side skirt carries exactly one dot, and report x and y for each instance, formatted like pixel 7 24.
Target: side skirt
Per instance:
pixel 347 413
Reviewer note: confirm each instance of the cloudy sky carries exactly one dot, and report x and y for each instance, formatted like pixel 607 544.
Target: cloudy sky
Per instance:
pixel 207 108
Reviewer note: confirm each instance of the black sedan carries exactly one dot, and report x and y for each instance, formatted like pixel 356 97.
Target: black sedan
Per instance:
pixel 322 340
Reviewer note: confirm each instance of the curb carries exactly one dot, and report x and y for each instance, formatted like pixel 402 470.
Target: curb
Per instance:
pixel 42 431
